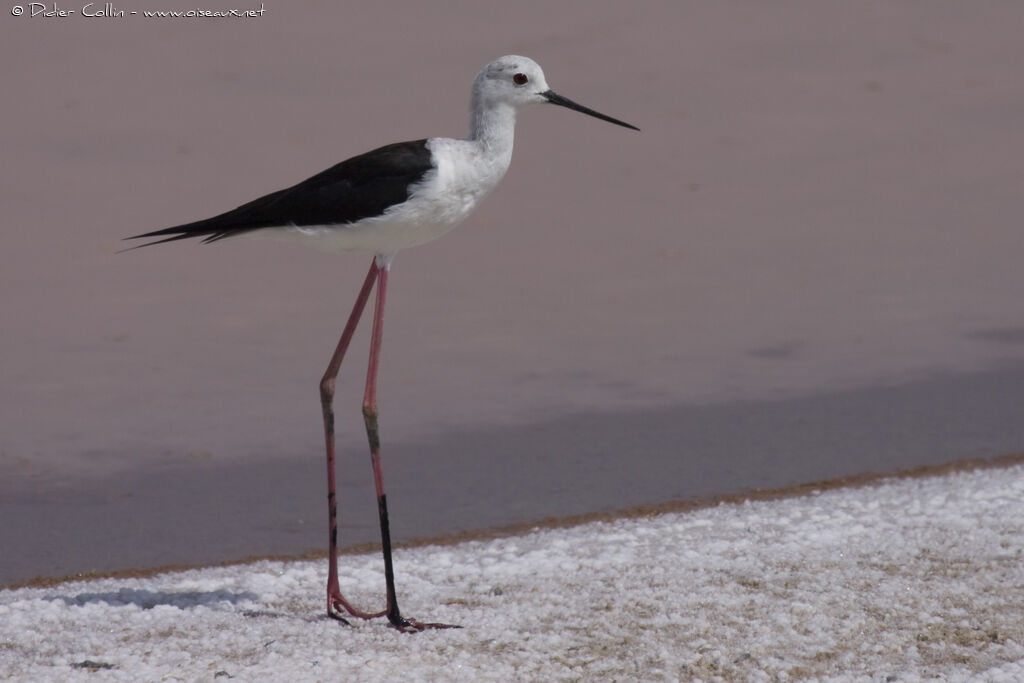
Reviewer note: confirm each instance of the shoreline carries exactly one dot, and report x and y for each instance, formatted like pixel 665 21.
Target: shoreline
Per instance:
pixel 852 482
pixel 200 511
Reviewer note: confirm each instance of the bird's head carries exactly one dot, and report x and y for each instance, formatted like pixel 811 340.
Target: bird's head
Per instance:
pixel 518 81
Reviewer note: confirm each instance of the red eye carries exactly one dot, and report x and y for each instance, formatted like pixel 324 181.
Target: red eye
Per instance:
pixel 520 79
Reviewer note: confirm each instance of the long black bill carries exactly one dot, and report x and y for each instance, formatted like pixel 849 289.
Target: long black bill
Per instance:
pixel 554 98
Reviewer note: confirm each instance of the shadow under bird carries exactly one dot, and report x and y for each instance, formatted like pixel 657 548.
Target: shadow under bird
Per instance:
pixel 400 195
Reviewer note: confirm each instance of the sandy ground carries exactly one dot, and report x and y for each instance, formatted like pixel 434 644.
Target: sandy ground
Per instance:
pixel 905 580
pixel 824 199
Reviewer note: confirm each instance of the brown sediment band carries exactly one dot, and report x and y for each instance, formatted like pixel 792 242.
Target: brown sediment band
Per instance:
pixel 795 491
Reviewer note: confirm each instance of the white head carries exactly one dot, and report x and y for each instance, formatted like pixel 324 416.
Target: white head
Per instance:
pixel 511 82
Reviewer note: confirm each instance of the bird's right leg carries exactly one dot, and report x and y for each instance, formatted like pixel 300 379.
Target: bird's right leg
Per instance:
pixel 335 600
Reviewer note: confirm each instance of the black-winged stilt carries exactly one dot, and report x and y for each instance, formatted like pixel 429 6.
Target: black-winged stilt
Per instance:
pixel 397 196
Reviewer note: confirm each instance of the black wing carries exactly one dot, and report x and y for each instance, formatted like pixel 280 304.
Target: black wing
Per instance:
pixel 357 188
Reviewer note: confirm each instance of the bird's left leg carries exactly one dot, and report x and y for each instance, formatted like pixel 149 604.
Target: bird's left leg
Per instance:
pixel 373 434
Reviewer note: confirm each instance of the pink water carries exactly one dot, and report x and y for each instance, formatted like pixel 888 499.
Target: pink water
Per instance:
pixel 823 208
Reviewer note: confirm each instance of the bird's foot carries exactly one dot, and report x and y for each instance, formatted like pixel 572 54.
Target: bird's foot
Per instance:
pixel 405 625
pixel 338 606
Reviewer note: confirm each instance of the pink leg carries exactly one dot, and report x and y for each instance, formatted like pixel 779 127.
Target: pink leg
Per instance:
pixel 373 435
pixel 335 600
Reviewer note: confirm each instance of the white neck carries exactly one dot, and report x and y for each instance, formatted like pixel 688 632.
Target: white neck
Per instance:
pixel 494 128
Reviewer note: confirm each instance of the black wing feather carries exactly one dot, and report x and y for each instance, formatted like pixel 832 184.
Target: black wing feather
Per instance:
pixel 357 188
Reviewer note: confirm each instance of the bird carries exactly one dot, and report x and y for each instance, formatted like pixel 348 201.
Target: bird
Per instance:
pixel 394 197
